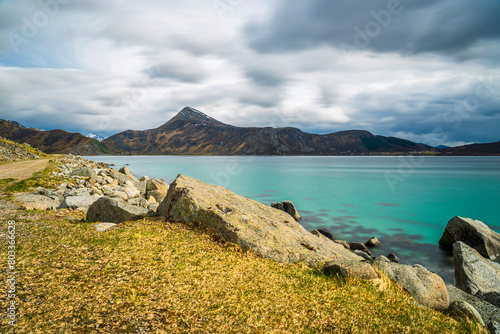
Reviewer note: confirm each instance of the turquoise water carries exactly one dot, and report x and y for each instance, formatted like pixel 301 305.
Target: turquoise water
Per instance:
pixel 404 201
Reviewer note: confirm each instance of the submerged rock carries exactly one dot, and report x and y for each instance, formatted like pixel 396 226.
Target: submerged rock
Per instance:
pixel 427 288
pixel 475 234
pixel 325 232
pixel 373 242
pixel 288 207
pixel 476 275
pixel 252 225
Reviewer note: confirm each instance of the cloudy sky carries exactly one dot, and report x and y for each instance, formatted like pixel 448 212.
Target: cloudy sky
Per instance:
pixel 424 70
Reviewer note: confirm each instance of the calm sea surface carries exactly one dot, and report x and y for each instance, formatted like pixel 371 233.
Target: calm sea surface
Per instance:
pixel 404 201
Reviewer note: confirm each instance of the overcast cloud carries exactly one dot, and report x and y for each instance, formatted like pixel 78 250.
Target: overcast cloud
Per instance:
pixel 423 70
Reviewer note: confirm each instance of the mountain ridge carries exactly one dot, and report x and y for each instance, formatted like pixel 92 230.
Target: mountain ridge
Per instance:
pixel 53 141
pixel 193 132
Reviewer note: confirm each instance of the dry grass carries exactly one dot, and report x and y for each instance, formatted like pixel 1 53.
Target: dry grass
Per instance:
pixel 153 276
pixel 42 178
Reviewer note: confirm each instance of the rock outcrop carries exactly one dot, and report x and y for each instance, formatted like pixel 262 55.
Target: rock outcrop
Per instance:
pixel 37 202
pixel 474 233
pixel 427 288
pixel 157 189
pixel 288 207
pixel 79 202
pixel 107 209
pixel 489 313
pixel 461 309
pixel 476 275
pixel 252 225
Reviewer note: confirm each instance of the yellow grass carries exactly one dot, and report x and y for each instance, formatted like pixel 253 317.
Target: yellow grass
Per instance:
pixel 154 276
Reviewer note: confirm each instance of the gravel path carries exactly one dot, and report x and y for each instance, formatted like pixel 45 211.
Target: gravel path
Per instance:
pixel 21 170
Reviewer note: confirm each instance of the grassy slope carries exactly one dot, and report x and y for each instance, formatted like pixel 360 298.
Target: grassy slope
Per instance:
pixel 166 277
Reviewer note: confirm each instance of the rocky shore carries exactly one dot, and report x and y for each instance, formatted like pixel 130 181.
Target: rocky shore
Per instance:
pixel 110 197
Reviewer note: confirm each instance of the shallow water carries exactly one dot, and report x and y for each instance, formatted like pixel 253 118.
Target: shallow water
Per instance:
pixel 404 201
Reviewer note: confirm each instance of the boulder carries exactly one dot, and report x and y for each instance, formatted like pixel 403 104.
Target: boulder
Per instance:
pixel 373 242
pixel 393 258
pixel 153 206
pixel 494 327
pixel 462 309
pixel 252 225
pixel 474 233
pixel 476 275
pixel 349 268
pixel 139 201
pixel 129 189
pixel 325 232
pixel 116 177
pixel 82 202
pixel 84 172
pixel 156 188
pixel 363 255
pixel 128 173
pixel 288 207
pixel 96 191
pixel 358 246
pixel 111 210
pixel 489 313
pixel 37 202
pixel 103 227
pixel 344 244
pixel 427 288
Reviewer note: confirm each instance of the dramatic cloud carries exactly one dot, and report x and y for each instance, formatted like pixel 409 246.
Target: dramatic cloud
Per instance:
pixel 422 70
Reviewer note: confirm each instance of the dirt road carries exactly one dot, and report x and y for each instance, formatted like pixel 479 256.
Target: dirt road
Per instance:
pixel 21 170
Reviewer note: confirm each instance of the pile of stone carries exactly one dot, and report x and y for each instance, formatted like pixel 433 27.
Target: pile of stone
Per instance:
pixel 10 151
pixel 475 247
pixel 90 184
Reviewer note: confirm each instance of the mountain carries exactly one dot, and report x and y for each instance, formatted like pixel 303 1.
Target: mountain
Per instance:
pixel 193 132
pixel 54 141
pixel 442 146
pixel 96 137
pixel 473 149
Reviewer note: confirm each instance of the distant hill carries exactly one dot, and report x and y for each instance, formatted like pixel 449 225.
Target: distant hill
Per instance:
pixel 54 141
pixel 473 149
pixel 193 132
pixel 442 146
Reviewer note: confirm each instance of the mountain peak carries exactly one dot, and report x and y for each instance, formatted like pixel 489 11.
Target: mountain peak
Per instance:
pixel 192 114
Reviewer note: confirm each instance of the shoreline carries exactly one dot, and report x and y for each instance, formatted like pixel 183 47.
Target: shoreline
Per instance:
pixel 81 172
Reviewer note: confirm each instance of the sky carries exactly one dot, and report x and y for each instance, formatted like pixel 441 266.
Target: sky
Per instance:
pixel 423 70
